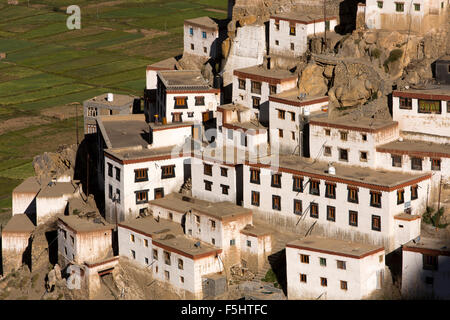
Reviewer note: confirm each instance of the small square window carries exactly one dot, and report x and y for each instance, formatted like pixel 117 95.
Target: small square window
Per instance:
pixel 416 6
pixel 380 4
pixel 192 47
pixel 327 132
pixel 341 265
pixel 277 43
pixel 304 258
pixel 343 155
pixel 292 46
pixel 323 262
pixel 343 285
pixel 182 279
pixel 353 218
pixel 303 278
pixel 132 238
pixel 249 243
pixel 133 254
pixel 363 156
pixel 344 135
pixel 232 242
pixel 327 151
pixel 323 282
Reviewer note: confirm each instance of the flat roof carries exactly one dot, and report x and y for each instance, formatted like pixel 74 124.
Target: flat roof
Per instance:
pixel 57 189
pixel 301 17
pixel 185 246
pixel 19 223
pixel 248 125
pixel 416 148
pixel 254 231
pixel 233 107
pixel 291 97
pixel 440 246
pixel 151 227
pixel 432 92
pixel 29 185
pixel 263 74
pixel 366 124
pixel 368 178
pixel 123 131
pixel 119 100
pixel 84 224
pixel 228 155
pixel 167 64
pixel 182 203
pixel 444 58
pixel 184 80
pixel 203 21
pixel 336 247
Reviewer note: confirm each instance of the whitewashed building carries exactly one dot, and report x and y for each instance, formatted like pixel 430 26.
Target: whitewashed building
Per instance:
pixel 24 197
pixel 16 244
pixel 289 117
pixel 289 32
pixel 423 114
pixel 349 141
pixel 178 261
pixel 330 269
pixel 341 201
pixel 202 37
pixel 416 16
pixel 82 240
pixel 252 87
pixel 184 96
pixel 256 246
pixel 426 269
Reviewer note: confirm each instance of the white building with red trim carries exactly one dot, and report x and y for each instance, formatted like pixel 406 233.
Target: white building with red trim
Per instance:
pixel 203 35
pixel 289 117
pixel 341 201
pixel 331 269
pixel 289 32
pixel 252 87
pixel 426 269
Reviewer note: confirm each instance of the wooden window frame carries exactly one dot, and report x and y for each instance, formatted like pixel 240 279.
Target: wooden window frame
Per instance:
pixel 207 169
pixel 429 109
pixel 242 84
pixel 273 89
pixel 140 175
pixel 208 185
pixel 405 103
pixel 253 173
pixel 256 87
pixel 200 100
pixel 352 191
pixel 323 282
pixel 168 172
pixel 344 285
pixel 297 184
pixel 341 153
pixel 276 180
pixel 255 198
pixel 298 203
pixel 314 213
pixel 414 192
pixel 430 262
pixel 415 161
pixel 395 162
pixel 330 190
pixel 281 114
pixel 353 218
pixel 303 278
pixel 313 190
pixel 304 258
pixel 331 213
pixel 225 189
pixel 375 199
pixel 376 223
pixel 180 102
pixel 256 102
pixel 436 164
pixel 141 196
pixel 224 172
pixel 341 264
pixel 400 196
pixel 276 200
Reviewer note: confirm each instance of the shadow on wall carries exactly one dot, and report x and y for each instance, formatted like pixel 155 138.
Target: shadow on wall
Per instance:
pixel 347 16
pixel 277 262
pixel 52 241
pixel 26 256
pixel 1 259
pixel 394 263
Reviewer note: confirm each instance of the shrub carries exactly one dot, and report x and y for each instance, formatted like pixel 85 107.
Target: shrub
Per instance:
pixel 434 219
pixel 375 53
pixel 270 276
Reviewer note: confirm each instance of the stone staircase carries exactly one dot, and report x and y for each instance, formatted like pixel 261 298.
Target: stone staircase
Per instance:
pixel 277 254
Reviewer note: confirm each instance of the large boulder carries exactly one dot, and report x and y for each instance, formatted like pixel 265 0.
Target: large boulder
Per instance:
pixel 312 81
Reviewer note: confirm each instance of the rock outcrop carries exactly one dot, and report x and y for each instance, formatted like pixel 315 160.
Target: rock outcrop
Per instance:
pixel 59 163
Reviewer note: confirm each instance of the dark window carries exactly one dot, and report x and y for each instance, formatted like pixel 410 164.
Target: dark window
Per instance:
pixel 327 151
pixel 380 4
pixel 344 135
pixel 364 137
pixel 117 174
pixel 204 35
pixel 110 191
pixel 314 187
pixel 280 133
pixel 192 46
pixel 255 198
pixel 323 262
pixel 396 161
pixel 436 164
pixel 190 114
pixel 292 115
pixel 155 254
pixel 292 30
pixel 208 185
pixel 376 223
pixel 117 195
pixel 167 258
pixel 430 106
pixel 297 184
pixel 303 278
pixel 281 114
pixel 159 193
pixel 242 84
pixel 273 89
pixel 353 218
pixel 343 285
pixel 207 169
pixel 417 6
pixel 375 199
pixel 304 258
pixel 276 203
pixel 256 102
pixel 341 264
pixel 327 132
pixel 168 172
pixel 363 156
pixel 327 25
pixel 292 46
pixel 298 206
pixel 180 264
pixel 200 101
pixel 414 192
pixel 352 194
pixel 140 175
pixel 400 196
pixel 343 154
pixel 141 197
pixel 276 180
pixel 110 169
pixel 224 172
pixel 255 176
pixel 323 282
pixel 406 103
pixel 277 25
pixel 399 6
pixel 224 188
pixel 314 210
pixel 330 191
pixel 256 87
pixel 180 102
pixel 416 164
pixel 177 117
pixel 331 213
pixel 430 262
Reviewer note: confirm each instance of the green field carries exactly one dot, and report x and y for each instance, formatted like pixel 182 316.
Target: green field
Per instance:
pixel 48 66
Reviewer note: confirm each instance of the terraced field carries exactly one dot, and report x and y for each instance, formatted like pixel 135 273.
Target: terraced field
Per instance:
pixel 49 67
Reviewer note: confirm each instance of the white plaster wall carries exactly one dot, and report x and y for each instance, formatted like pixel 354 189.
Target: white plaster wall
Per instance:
pixel 211 41
pixel 212 100
pixel 127 185
pixel 47 207
pixel 406 231
pixel 67 243
pixel 164 213
pixel 14 242
pixel 172 137
pixel 93 246
pixel 152 79
pixel 312 289
pixel 23 201
pixel 126 245
pixel 372 273
pixel 215 195
pixel 287 144
pixel 412 120
pixel 285 39
pixel 203 230
pixel 413 277
pixel 388 209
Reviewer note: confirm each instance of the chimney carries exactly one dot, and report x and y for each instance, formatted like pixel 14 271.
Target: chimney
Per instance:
pixel 110 97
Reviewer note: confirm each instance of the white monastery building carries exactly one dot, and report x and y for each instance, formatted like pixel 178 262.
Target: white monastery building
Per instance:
pixel 202 37
pixel 426 269
pixel 333 269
